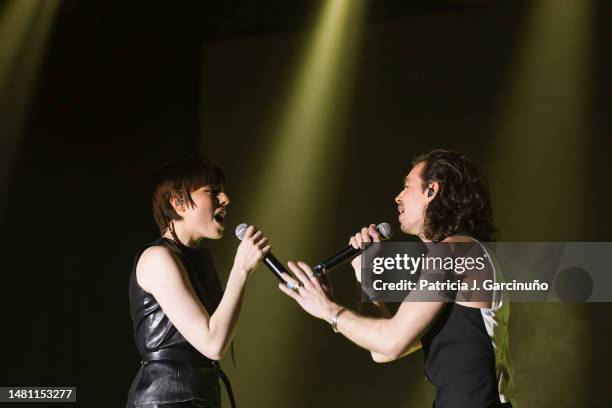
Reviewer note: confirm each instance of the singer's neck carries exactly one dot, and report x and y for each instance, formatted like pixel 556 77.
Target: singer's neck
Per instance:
pixel 422 237
pixel 184 235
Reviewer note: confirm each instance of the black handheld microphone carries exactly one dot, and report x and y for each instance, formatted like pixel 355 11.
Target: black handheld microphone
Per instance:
pixel 270 260
pixel 384 229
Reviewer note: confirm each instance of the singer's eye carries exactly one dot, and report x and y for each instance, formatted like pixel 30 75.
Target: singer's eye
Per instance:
pixel 212 190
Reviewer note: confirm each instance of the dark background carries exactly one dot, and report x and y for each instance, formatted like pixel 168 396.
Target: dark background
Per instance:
pixel 124 86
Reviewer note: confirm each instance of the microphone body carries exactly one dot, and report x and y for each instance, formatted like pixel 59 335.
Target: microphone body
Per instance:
pixel 349 252
pixel 269 260
pixel 274 265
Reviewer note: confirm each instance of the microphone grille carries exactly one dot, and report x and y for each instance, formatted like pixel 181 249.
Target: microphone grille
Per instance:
pixel 241 230
pixel 385 230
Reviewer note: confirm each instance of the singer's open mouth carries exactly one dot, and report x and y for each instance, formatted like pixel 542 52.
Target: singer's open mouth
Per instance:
pixel 219 217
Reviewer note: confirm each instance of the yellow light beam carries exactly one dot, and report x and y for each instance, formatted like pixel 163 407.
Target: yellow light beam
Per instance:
pixel 540 146
pixel 311 127
pixel 538 174
pixel 24 30
pixel 284 198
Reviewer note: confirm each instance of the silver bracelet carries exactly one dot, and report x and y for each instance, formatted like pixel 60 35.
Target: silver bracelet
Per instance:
pixel 335 320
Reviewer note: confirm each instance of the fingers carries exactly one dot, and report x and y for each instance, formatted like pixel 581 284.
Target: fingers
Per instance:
pixel 252 249
pixel 373 232
pixel 305 267
pixel 299 273
pixel 291 282
pixel 312 279
pixel 250 231
pixel 358 239
pixel 365 235
pixel 256 236
pixel 308 271
pixel 253 234
pixel 289 292
pixel 262 243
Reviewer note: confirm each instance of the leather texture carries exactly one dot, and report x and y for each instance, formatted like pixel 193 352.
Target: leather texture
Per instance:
pixel 173 371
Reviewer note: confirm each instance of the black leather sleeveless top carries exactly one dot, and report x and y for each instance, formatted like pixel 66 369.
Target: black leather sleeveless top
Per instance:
pixel 192 376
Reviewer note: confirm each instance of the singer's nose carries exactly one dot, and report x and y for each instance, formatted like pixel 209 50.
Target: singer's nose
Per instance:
pixel 223 198
pixel 398 200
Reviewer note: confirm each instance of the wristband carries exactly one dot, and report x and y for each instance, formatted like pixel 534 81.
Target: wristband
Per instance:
pixel 335 320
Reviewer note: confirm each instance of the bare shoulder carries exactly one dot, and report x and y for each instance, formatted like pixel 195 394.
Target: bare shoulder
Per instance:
pixel 157 264
pixel 155 253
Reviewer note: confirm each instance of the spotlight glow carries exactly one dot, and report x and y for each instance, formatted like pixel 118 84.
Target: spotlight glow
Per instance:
pixel 538 169
pixel 298 173
pixel 24 30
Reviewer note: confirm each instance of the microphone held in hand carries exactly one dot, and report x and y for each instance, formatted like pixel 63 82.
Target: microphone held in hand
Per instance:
pixel 270 260
pixel 347 253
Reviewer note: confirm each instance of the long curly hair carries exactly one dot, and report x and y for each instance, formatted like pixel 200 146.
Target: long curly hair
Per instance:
pixel 462 204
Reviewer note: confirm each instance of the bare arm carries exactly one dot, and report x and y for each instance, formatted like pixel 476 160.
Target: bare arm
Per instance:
pixel 160 273
pixel 383 311
pixel 388 338
pixel 370 234
pixel 381 358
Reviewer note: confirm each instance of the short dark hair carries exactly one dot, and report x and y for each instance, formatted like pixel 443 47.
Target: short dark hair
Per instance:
pixel 463 203
pixel 179 178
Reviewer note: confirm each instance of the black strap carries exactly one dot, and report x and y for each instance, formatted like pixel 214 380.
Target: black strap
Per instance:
pixel 226 382
pixel 193 357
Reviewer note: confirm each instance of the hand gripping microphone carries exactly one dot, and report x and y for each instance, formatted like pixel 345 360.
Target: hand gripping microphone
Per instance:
pixel 384 229
pixel 270 260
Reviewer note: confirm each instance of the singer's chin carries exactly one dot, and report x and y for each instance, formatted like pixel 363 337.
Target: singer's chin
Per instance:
pixel 219 228
pixel 217 234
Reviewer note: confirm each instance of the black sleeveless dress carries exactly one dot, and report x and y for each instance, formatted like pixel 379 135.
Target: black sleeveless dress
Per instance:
pixel 172 371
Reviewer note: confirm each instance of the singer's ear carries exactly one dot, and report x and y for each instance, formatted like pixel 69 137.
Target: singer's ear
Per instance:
pixel 432 190
pixel 178 202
